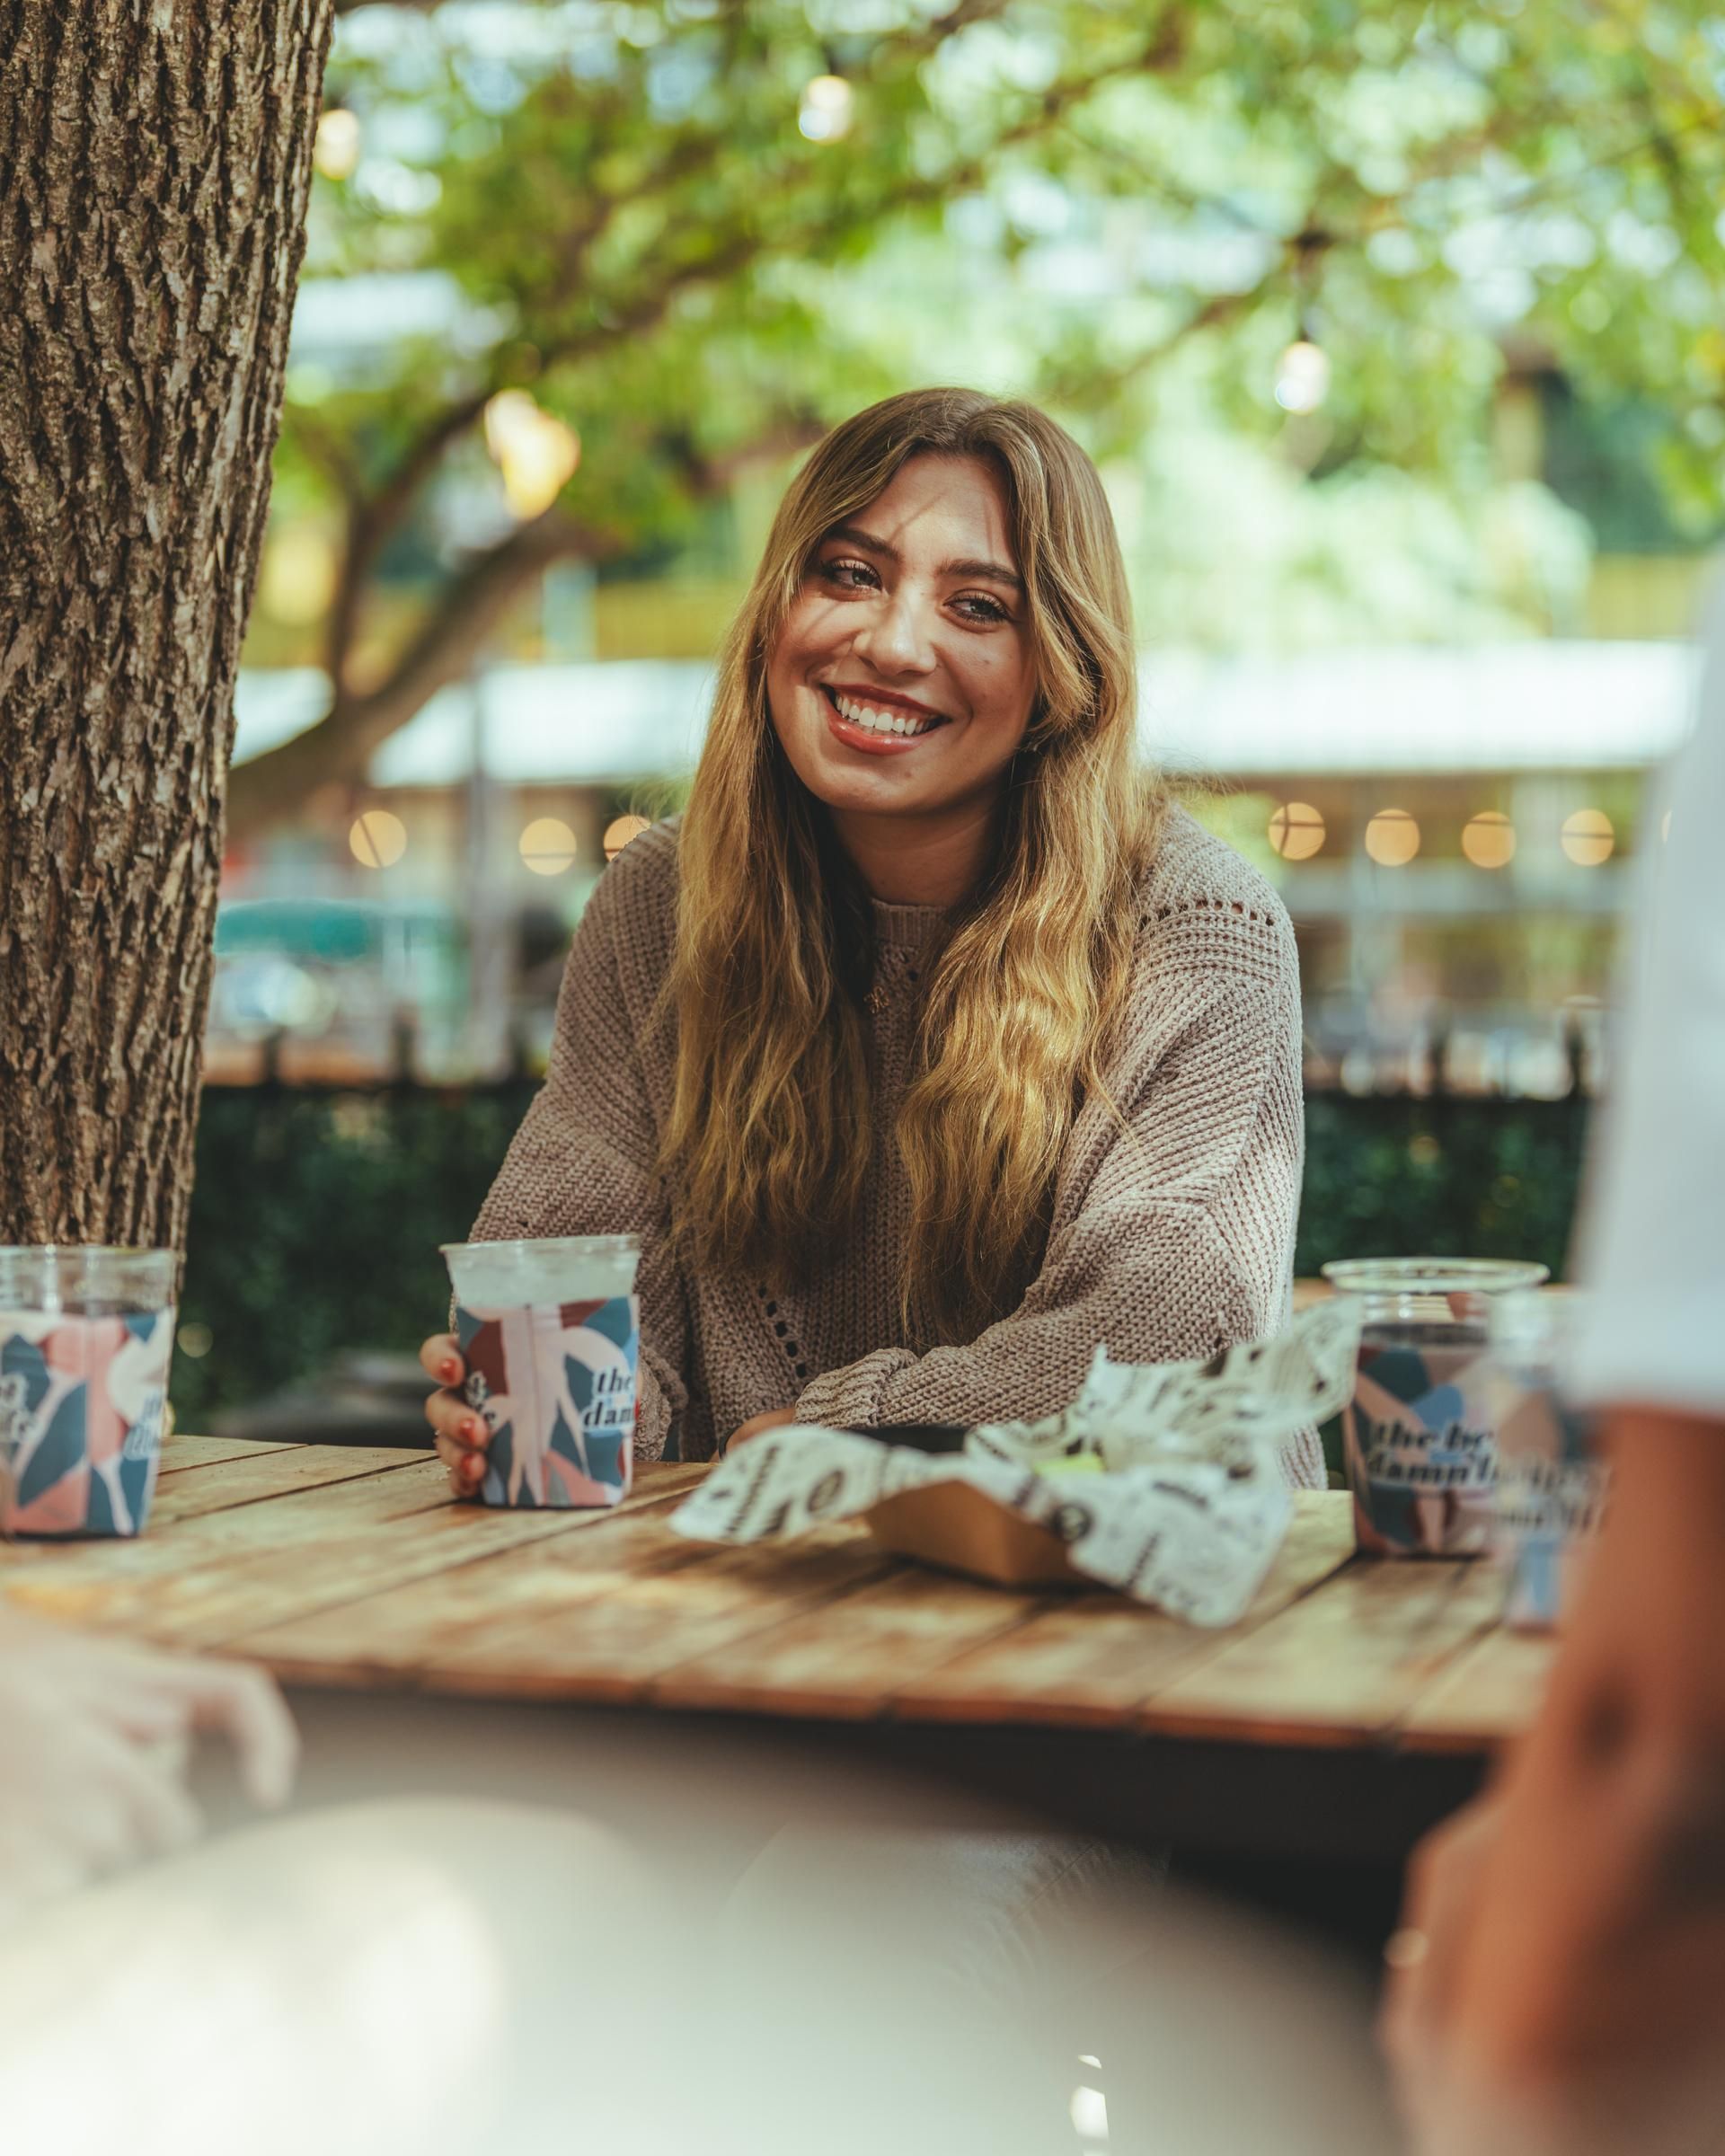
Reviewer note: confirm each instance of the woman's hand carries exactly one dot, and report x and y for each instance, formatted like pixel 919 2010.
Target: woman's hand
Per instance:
pixel 94 1742
pixel 461 1432
pixel 1570 1936
pixel 757 1423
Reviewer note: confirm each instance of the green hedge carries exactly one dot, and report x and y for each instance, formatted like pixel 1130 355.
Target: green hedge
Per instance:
pixel 317 1215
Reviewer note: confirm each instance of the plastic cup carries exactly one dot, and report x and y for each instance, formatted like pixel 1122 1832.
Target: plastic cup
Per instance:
pixel 1419 1434
pixel 1551 1486
pixel 550 1331
pixel 86 1335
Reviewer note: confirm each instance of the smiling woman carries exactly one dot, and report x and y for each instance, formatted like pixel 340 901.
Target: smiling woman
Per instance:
pixel 928 1046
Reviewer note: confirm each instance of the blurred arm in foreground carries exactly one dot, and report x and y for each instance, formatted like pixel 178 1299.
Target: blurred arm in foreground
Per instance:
pixel 94 1747
pixel 1572 1990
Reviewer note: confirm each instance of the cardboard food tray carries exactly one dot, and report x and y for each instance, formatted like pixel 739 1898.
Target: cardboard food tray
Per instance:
pixel 962 1530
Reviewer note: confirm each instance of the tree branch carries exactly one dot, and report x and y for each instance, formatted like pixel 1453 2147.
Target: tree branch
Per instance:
pixel 342 743
pixel 683 157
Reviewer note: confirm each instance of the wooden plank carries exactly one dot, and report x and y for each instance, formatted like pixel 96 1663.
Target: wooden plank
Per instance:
pixel 1091 1660
pixel 275 1474
pixel 594 1618
pixel 617 1645
pixel 1491 1691
pixel 184 1452
pixel 865 1648
pixel 211 1606
pixel 247 1567
pixel 1341 1665
pixel 82 1573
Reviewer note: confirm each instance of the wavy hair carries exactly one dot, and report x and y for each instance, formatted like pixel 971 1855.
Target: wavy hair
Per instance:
pixel 766 1150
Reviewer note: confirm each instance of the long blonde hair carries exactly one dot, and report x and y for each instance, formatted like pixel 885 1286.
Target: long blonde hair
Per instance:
pixel 766 1150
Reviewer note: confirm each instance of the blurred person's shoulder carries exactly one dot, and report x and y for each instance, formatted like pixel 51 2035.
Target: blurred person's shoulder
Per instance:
pixel 1200 897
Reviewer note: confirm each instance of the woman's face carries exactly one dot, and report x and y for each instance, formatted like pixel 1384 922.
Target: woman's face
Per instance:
pixel 902 680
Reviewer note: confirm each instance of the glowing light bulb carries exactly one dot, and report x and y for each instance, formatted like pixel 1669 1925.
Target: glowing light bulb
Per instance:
pixel 1303 376
pixel 535 453
pixel 336 150
pixel 828 106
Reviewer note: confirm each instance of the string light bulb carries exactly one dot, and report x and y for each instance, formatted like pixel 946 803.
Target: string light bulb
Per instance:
pixel 828 106
pixel 335 151
pixel 1303 376
pixel 535 453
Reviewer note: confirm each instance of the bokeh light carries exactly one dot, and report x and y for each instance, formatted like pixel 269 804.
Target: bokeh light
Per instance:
pixel 377 839
pixel 1303 376
pixel 1588 837
pixel 827 110
pixel 335 152
pixel 535 453
pixel 297 581
pixel 1392 838
pixel 548 846
pixel 1488 839
pixel 1296 831
pixel 618 834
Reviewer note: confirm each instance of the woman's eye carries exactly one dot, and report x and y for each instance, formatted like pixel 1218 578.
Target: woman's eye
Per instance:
pixel 851 576
pixel 976 608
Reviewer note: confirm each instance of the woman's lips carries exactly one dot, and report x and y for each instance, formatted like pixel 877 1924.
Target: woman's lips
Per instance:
pixel 865 738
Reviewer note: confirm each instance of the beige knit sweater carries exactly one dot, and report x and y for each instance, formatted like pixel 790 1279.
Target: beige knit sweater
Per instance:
pixel 1174 1253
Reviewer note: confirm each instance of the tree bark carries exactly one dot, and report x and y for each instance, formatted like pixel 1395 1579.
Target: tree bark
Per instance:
pixel 155 163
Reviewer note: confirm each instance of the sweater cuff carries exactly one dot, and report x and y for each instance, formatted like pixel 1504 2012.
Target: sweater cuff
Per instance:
pixel 656 1410
pixel 851 1398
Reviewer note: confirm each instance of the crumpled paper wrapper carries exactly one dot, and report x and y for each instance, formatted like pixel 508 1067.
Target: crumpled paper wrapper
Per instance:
pixel 1187 1511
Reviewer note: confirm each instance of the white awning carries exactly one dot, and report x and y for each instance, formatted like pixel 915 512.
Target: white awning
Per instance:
pixel 1531 706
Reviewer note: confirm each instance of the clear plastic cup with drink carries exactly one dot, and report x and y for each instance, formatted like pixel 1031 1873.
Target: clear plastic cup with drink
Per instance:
pixel 1419 1435
pixel 549 1331
pixel 86 1336
pixel 1552 1484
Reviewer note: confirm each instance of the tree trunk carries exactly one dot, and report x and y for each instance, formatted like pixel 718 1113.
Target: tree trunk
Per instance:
pixel 155 163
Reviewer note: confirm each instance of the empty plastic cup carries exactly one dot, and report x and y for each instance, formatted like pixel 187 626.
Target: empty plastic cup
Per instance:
pixel 550 1331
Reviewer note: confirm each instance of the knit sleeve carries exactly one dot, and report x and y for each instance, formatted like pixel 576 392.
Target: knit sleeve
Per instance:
pixel 1179 1241
pixel 581 1162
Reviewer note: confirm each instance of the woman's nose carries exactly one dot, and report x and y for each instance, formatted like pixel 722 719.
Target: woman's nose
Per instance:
pixel 899 634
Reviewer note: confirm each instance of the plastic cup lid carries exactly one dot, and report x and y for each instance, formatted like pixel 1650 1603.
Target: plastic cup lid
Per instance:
pixel 1431 1275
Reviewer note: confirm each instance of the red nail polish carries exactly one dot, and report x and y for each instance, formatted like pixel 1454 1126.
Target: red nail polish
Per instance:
pixel 450 1368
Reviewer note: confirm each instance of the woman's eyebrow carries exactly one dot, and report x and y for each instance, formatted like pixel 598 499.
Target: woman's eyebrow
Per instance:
pixel 996 572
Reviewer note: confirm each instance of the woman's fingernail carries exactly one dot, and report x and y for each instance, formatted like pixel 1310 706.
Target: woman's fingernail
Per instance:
pixel 472 1469
pixel 473 1429
pixel 449 1368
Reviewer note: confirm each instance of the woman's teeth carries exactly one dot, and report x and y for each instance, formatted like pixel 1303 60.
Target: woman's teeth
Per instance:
pixel 877 721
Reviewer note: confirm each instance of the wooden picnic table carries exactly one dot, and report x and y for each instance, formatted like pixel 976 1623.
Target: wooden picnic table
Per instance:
pixel 1356 1702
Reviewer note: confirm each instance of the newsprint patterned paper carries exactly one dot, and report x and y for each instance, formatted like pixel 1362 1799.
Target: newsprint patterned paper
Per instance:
pixel 1187 1513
